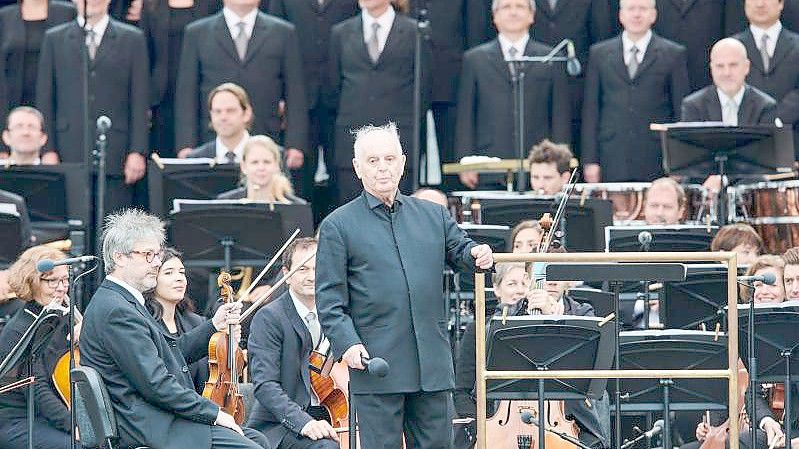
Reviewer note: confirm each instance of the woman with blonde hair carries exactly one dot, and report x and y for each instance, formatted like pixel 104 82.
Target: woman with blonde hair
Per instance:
pixel 37 290
pixel 261 174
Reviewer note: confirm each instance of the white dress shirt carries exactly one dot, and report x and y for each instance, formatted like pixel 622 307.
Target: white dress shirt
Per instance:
pixel 729 113
pixel 773 33
pixel 232 20
pixel 641 45
pixel 137 294
pixel 506 44
pixel 98 28
pixel 303 312
pixel 386 20
pixel 222 150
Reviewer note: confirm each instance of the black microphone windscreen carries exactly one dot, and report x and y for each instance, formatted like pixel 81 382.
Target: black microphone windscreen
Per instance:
pixel 769 278
pixel 377 366
pixel 43 266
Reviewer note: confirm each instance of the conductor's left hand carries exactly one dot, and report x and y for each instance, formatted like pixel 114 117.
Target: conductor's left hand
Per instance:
pixel 483 257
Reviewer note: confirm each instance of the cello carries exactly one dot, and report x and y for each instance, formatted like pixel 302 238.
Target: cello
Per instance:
pixel 225 363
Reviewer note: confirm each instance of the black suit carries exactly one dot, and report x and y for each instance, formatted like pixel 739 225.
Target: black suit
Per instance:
pixel 381 287
pixel 485 103
pixel 782 79
pixel 704 106
pixel 150 387
pixel 279 347
pixel 206 150
pixel 735 18
pixel 365 93
pixel 314 22
pixel 270 72
pixel 12 36
pixel 696 24
pixel 617 110
pixel 118 88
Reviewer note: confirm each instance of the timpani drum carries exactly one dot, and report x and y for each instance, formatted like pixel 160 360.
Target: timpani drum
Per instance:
pixel 628 200
pixel 778 233
pixel 766 199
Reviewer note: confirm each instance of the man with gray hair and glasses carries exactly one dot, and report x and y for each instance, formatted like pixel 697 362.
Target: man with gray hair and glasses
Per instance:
pixel 146 374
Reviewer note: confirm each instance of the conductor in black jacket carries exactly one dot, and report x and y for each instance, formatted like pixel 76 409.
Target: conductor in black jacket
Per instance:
pixel 118 82
pixel 729 99
pixel 258 52
pixel 774 52
pixel 150 387
pixel 282 335
pixel 485 101
pixel 371 81
pixel 632 80
pixel 378 291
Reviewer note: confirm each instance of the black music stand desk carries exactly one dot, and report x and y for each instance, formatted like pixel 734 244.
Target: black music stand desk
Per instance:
pixel 665 238
pixel 199 178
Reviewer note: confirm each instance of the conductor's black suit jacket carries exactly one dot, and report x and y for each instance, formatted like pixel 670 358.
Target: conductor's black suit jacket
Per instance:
pixel 118 88
pixel 704 106
pixel 270 72
pixel 279 346
pixel 618 110
pixel 379 283
pixel 485 102
pixel 147 377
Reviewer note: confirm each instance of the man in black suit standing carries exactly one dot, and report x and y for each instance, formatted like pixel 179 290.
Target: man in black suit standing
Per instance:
pixel 150 387
pixel 118 82
pixel 378 291
pixel 735 17
pixel 729 99
pixel 231 116
pixel 282 335
pixel 371 81
pixel 313 21
pixel 258 52
pixel 632 80
pixel 774 52
pixel 485 101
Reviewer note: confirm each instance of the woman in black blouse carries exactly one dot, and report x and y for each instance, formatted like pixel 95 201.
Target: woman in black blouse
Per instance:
pixel 37 290
pixel 22 28
pixel 175 313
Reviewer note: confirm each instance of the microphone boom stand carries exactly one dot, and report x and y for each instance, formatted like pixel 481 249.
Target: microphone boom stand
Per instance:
pixel 422 35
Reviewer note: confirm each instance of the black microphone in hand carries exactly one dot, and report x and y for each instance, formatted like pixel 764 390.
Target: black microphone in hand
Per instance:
pixel 375 366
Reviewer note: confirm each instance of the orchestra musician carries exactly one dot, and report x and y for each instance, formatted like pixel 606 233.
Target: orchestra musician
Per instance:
pixel 37 290
pixel 549 167
pixel 150 387
pixel 282 335
pixel 175 313
pixel 769 432
pixel 25 137
pixel 790 274
pixel 511 285
pixel 741 239
pixel 435 196
pixel 526 237
pixel 261 174
pixel 665 202
pixel 379 292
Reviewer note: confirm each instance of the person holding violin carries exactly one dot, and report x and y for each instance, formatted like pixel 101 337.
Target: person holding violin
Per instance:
pixel 261 174
pixel 512 285
pixel 175 312
pixel 526 237
pixel 37 290
pixel 769 431
pixel 144 370
pixel 282 335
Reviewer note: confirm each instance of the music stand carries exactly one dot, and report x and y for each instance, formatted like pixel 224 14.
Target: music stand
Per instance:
pixel 584 219
pixel 696 149
pixel 527 343
pixel 294 216
pixel 668 350
pixel 775 343
pixel 601 301
pixel 201 179
pixel 699 299
pixel 11 243
pixel 665 238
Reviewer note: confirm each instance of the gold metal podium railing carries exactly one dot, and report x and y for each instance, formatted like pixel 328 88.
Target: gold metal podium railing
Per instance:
pixel 731 373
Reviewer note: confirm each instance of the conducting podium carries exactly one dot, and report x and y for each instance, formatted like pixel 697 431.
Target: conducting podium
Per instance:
pixel 697 149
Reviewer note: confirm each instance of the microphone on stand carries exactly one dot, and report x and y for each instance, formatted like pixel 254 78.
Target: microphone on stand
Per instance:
pixel 573 67
pixel 103 124
pixel 645 240
pixel 766 278
pixel 47 265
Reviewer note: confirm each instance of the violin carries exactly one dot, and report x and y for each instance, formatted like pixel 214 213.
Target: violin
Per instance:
pixel 717 436
pixel 61 370
pixel 775 395
pixel 225 363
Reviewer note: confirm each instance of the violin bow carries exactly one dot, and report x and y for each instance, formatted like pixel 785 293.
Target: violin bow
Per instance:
pixel 269 265
pixel 261 299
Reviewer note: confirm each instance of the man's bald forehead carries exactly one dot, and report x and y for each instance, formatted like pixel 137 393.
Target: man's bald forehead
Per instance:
pixel 729 45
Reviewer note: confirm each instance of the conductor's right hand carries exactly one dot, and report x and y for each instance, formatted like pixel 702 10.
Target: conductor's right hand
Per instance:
pixel 316 430
pixel 469 179
pixel 701 431
pixel 354 355
pixel 225 420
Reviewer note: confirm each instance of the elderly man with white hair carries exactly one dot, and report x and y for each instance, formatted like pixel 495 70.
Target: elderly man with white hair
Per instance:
pixel 379 278
pixel 147 377
pixel 729 99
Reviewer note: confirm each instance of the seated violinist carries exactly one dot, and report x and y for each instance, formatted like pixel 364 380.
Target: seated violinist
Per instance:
pixel 549 167
pixel 261 174
pixel 282 335
pixel 174 312
pixel 511 285
pixel 769 433
pixel 36 290
pixel 526 237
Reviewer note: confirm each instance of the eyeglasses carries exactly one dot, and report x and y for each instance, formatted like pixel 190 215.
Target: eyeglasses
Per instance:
pixel 54 282
pixel 150 256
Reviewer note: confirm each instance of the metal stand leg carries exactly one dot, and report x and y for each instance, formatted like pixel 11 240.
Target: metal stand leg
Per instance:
pixel 667 383
pixel 788 424
pixel 541 416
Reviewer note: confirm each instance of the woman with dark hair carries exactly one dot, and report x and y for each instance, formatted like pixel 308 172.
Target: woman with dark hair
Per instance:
pixel 37 291
pixel 170 307
pixel 22 28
